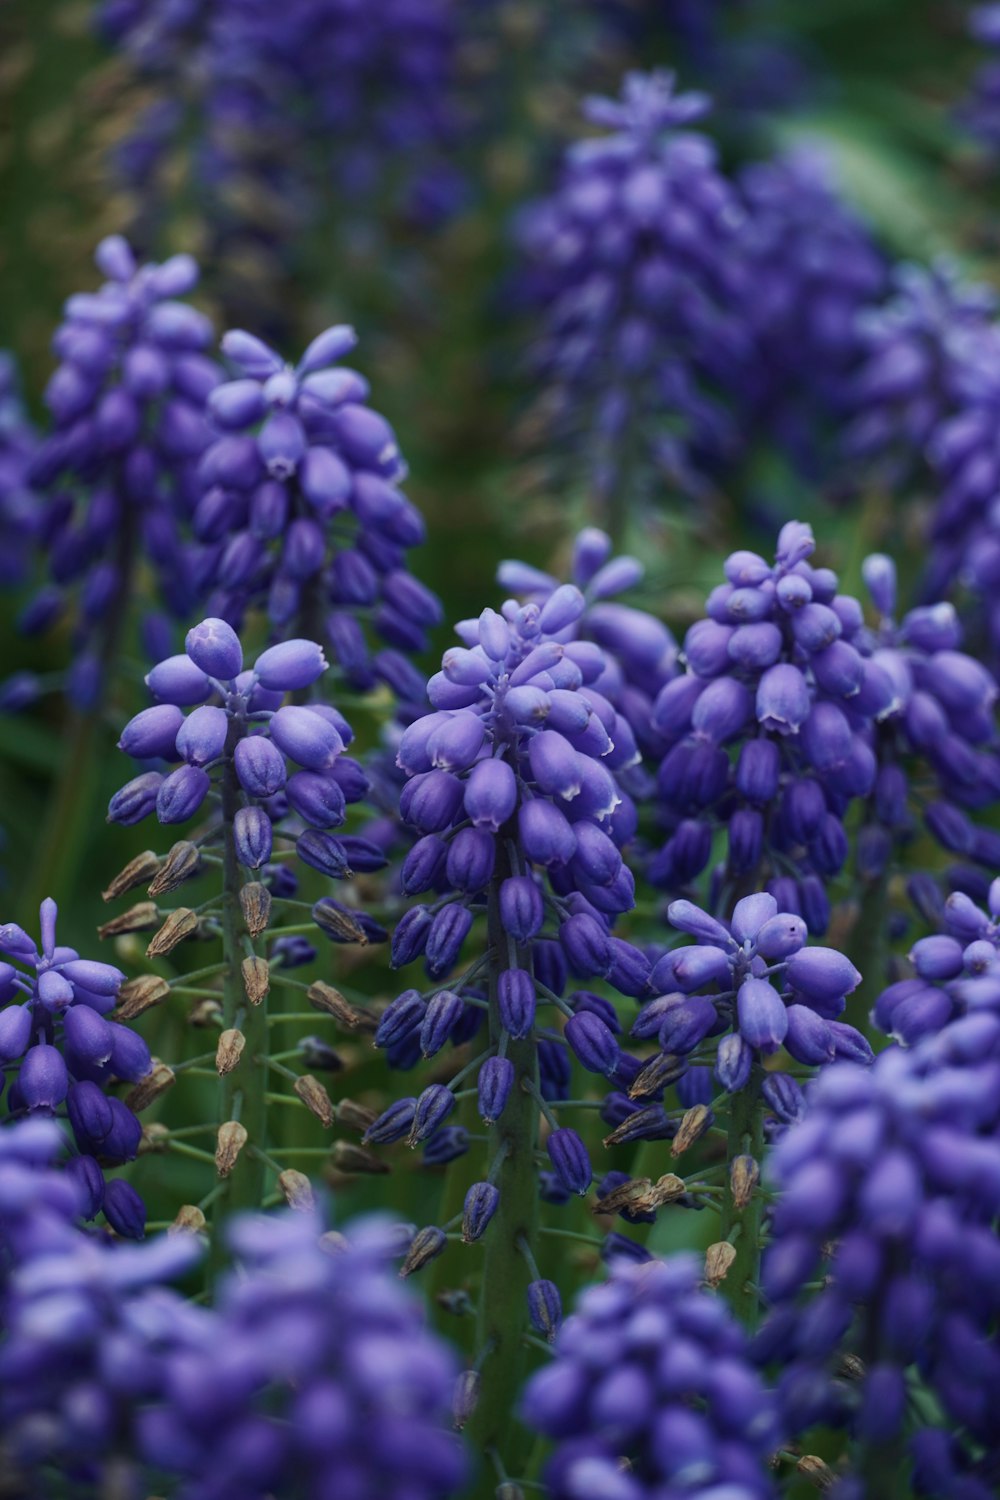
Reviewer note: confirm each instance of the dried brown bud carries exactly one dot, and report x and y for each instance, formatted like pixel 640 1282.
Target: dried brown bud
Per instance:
pixel 229 1143
pixel 296 1190
pixel 204 1013
pixel 180 864
pixel 354 1116
pixel 325 998
pixel 155 1137
pixel 816 1471
pixel 425 1245
pixel 151 1087
pixel 339 924
pixel 179 925
pixel 256 979
pixel 189 1220
pixel 136 872
pixel 315 1097
pixel 255 903
pixel 333 1242
pixel 631 1195
pixel 137 995
pixel 229 1051
pixel 718 1259
pixel 347 1157
pixel 743 1177
pixel 694 1123
pixel 851 1366
pixel 138 918
pixel 465 1397
pixel 656 1074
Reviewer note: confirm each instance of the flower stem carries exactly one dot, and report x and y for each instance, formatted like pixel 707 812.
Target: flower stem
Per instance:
pixel 742 1224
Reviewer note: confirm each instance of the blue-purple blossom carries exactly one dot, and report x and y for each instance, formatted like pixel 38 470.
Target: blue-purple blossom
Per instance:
pixel 650 1391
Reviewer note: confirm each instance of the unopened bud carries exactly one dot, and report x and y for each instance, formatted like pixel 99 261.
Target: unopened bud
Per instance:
pixel 138 918
pixel 179 925
pixel 694 1122
pixel 718 1259
pixel 180 864
pixel 463 1402
pixel 545 1308
pixel 339 924
pixel 816 1471
pixel 229 1143
pixel 315 1098
pixel 155 1138
pixel 331 1002
pixel 355 1116
pixel 425 1246
pixel 137 995
pixel 319 1054
pixel 151 1087
pixel 631 1195
pixel 205 1012
pixel 349 1158
pixel 136 872
pixel 296 1190
pixel 656 1074
pixel 851 1366
pixel 189 1220
pixel 229 1051
pixel 743 1177
pixel 255 903
pixel 256 979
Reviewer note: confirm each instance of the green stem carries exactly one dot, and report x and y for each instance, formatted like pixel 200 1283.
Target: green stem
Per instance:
pixel 742 1225
pixel 514 1138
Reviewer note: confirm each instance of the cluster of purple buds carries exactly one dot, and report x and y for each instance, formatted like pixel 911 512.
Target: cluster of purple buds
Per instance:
pixel 120 467
pixel 651 1393
pixel 957 972
pixel 301 501
pixel 248 735
pixel 59 1051
pixel 979 113
pixel 812 267
pixel 314 1375
pixel 755 985
pixel 775 669
pixel 894 1174
pixel 942 716
pixel 630 263
pixel 904 386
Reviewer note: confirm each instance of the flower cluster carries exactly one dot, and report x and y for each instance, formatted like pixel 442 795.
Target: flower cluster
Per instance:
pixel 630 265
pixel 774 667
pixel 651 1392
pixel 248 735
pixel 894 1173
pixel 980 112
pixel 301 501
pixel 754 980
pixel 121 465
pixel 56 1037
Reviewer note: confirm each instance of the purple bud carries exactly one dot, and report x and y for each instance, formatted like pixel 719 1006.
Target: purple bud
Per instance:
pixel 153 732
pixel 432 1108
pixel 392 1124
pixel 545 1307
pixel 686 1024
pixel 201 737
pixel 733 1062
pixel 315 797
pixel 758 770
pixel 780 937
pixel 43 1080
pixel 822 974
pixel 88 1178
pixel 323 852
pixel 252 836
pixel 88 1034
pixel 585 942
pixel 490 794
pixel 260 766
pixel 763 1020
pixel 90 1115
pixel 938 957
pixel 570 1160
pixel 495 1081
pixel 306 737
pixel 783 700
pixel 722 710
pixel 481 1203
pixel 522 911
pixel 401 1016
pixel 290 666
pixel 879 574
pixel 755 647
pixel 555 765
pixel 178 680
pixel 593 1043
pixel 181 794
pixel 826 737
pixel 687 917
pixel 455 742
pixel 443 1013
pixel 124 1209
pixel 15 1031
pixel 410 937
pixel 597 859
pixel 447 933
pixel 815 626
pixel 470 859
pixel 516 1000
pixel 546 835
pixel 694 967
pixel 431 800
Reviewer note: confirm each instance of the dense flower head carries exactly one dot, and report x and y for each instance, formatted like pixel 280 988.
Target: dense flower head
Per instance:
pixel 650 1392
pixel 315 1375
pixel 243 731
pixel 894 1174
pixel 630 265
pixel 62 1051
pixel 773 669
pixel 910 350
pixel 753 983
pixel 301 499
pixel 812 266
pixel 120 466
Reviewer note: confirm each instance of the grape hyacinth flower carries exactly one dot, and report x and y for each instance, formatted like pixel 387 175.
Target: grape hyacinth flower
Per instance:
pixel 651 1392
pixel 59 1051
pixel 631 264
pixel 301 497
pixel 120 467
pixel 893 1175
pixel 773 669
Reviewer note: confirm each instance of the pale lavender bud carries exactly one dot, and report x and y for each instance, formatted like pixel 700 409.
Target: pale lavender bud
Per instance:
pixel 178 680
pixel 152 733
pixel 822 975
pixel 181 794
pixel 722 710
pixel 214 647
pixel 763 1019
pixel 490 794
pixel 201 737
pixel 783 700
pixel 306 737
pixel 290 666
pixel 260 766
pixel 43 1081
pixel 687 917
pixel 555 765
